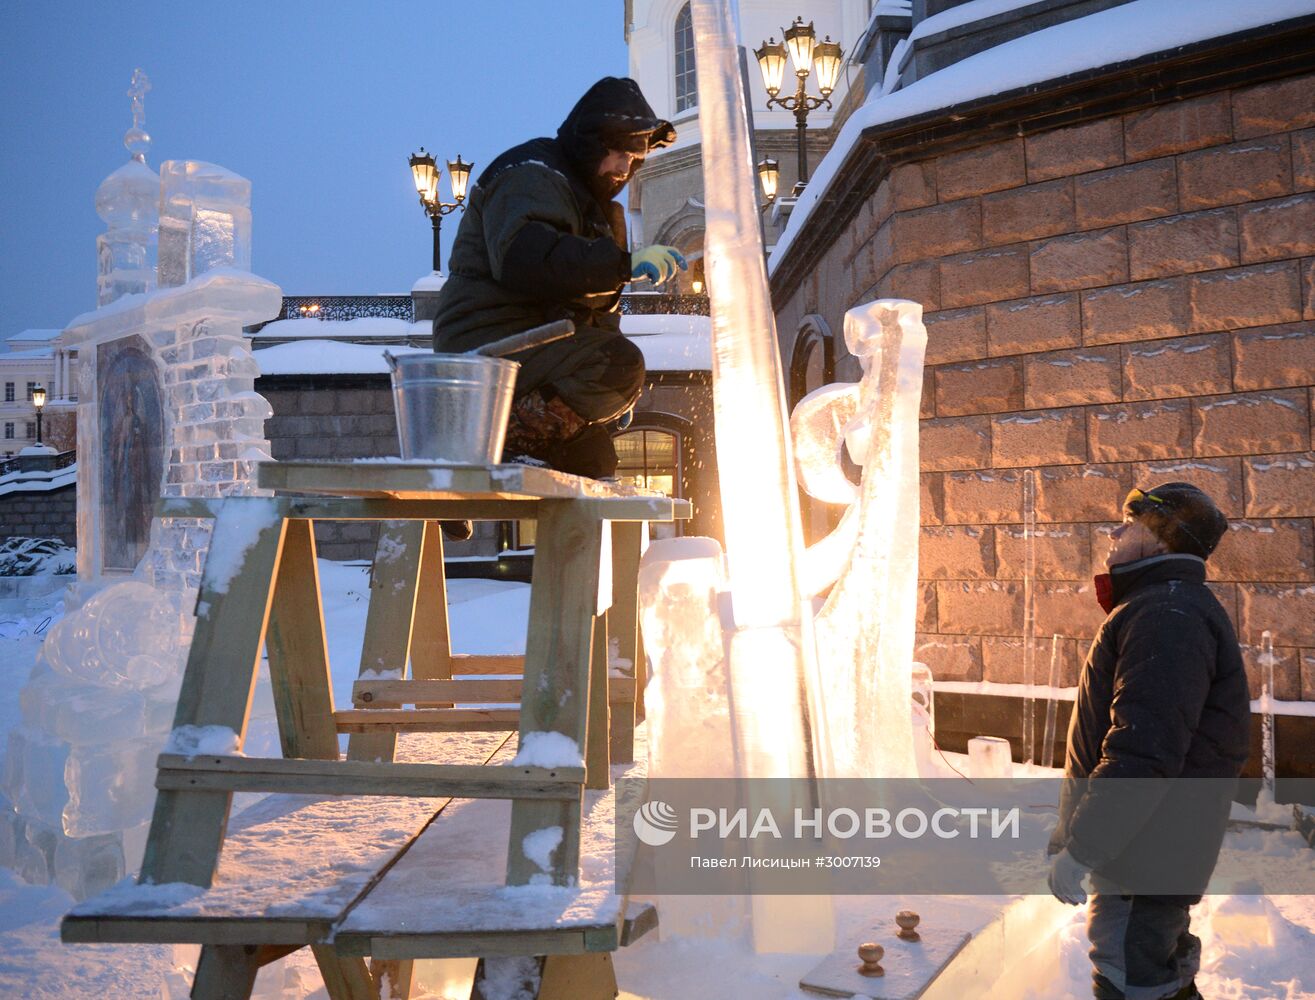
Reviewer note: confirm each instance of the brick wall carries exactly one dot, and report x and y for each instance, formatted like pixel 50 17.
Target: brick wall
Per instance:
pixel 1117 303
pixel 41 515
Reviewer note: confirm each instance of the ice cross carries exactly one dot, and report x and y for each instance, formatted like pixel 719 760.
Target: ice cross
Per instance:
pixel 136 138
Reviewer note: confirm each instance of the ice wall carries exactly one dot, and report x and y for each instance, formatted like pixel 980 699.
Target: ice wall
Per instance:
pixel 167 386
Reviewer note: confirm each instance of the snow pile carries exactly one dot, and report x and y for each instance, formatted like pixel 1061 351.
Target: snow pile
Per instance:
pixel 548 750
pixel 36 557
pixel 203 741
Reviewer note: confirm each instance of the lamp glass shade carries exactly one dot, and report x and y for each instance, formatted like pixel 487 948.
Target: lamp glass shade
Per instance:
pixel 769 176
pixel 424 171
pixel 827 60
pixel 39 396
pixel 800 39
pixel 458 173
pixel 771 60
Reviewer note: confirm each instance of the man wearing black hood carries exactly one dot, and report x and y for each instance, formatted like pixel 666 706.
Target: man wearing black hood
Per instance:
pixel 542 240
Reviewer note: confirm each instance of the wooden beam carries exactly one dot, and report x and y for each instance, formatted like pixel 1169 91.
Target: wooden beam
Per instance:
pixel 563 599
pixel 418 692
pixel 578 977
pixel 345 978
pixel 623 626
pixel 471 663
pixel 225 972
pixel 431 641
pixel 232 609
pixel 597 757
pixel 435 693
pixel 353 777
pixel 394 580
pixel 298 653
pixel 426 720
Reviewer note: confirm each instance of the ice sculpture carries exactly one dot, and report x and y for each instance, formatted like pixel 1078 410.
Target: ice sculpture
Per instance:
pixel 128 201
pixel 205 220
pixel 166 408
pixel 865 630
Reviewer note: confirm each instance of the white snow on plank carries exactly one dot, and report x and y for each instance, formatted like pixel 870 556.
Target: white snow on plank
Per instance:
pixel 1102 39
pixel 297 857
pixel 458 867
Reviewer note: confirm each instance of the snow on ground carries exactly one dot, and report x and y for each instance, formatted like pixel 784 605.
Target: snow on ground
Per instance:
pixel 1256 948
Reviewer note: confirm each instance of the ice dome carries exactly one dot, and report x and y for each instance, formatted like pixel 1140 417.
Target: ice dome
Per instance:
pixel 129 197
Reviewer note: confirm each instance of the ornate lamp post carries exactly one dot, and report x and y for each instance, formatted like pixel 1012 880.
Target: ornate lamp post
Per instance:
pixel 807 54
pixel 769 176
pixel 39 401
pixel 425 173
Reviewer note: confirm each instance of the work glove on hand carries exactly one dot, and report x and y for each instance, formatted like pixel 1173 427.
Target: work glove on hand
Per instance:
pixel 657 264
pixel 1066 875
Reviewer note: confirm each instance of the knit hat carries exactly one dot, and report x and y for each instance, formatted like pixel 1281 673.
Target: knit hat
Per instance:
pixel 1180 515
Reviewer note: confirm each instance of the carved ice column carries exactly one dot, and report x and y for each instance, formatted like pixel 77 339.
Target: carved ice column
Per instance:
pixel 166 407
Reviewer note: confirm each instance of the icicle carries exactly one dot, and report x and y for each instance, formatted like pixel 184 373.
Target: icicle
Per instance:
pixel 1048 740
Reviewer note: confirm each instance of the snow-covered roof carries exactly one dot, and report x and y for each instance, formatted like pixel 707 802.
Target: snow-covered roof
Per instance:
pixel 361 328
pixel 32 354
pixel 33 336
pixel 1105 38
pixel 31 481
pixel 669 343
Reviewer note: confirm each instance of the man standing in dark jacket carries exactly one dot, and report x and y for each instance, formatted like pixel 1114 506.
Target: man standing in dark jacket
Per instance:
pixel 542 240
pixel 1162 698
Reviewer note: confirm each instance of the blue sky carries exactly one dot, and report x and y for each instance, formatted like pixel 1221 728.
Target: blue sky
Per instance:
pixel 317 103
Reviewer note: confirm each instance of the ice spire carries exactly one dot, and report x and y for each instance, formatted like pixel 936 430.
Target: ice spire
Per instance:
pixel 136 139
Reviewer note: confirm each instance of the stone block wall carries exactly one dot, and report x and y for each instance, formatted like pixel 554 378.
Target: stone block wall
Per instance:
pixel 52 514
pixel 1113 304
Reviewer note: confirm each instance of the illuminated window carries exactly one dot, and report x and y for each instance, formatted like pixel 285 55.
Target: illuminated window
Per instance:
pixel 687 84
pixel 649 459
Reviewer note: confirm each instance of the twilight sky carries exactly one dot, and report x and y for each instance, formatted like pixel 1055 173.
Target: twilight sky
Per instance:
pixel 317 102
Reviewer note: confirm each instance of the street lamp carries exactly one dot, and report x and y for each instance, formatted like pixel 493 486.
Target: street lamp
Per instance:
pixel 39 401
pixel 425 173
pixel 769 175
pixel 807 55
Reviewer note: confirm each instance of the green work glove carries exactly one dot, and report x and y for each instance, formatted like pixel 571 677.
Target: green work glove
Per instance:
pixel 656 264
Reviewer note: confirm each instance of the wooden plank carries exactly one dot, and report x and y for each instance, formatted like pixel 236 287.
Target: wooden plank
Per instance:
pixel 225 972
pixel 436 480
pixel 596 754
pixel 623 628
pixel 233 601
pixel 431 641
pixel 563 595
pixel 385 721
pixel 350 777
pixel 640 918
pixel 418 692
pixel 345 977
pixel 387 646
pixel 192 930
pixel 435 692
pixel 298 653
pixel 471 663
pixel 568 941
pixel 392 977
pixel 578 977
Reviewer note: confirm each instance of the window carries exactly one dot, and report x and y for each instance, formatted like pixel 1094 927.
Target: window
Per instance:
pixel 687 84
pixel 9 432
pixel 647 458
pixel 31 387
pixel 9 392
pixel 31 430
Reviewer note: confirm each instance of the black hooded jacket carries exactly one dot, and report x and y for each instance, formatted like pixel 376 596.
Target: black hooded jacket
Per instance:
pixel 1162 698
pixel 537 241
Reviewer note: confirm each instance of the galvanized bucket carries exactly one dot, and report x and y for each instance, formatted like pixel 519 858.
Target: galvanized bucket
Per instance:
pixel 452 408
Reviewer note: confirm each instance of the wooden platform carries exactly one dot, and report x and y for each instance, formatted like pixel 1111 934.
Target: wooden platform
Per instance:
pixel 302 870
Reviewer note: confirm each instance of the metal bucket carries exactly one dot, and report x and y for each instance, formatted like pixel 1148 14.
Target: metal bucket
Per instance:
pixel 452 408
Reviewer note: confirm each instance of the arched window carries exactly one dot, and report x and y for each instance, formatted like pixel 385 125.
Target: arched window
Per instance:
pixel 651 454
pixel 813 363
pixel 687 84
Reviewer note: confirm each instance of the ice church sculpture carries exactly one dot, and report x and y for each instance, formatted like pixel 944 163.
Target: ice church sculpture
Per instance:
pixel 166 408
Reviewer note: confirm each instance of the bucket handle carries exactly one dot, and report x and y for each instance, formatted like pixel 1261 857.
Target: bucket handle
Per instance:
pixel 391 358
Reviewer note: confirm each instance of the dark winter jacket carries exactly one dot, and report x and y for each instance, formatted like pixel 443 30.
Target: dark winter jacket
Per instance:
pixel 1162 698
pixel 536 243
